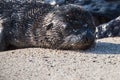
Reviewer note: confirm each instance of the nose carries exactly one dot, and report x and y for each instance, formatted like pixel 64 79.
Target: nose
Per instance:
pixel 88 37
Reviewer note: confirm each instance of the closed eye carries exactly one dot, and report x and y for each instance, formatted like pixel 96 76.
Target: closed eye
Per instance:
pixel 49 26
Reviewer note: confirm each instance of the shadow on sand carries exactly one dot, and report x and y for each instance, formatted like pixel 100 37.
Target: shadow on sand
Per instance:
pixel 105 48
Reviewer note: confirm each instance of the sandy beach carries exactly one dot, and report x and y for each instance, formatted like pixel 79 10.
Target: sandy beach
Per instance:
pixel 98 63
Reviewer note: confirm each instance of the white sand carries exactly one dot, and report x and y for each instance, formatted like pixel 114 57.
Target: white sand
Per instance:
pixel 99 63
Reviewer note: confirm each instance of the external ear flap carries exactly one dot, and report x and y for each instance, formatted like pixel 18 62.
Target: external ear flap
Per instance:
pixel 48 26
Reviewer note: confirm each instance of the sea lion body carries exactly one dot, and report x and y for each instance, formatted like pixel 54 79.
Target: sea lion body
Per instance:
pixel 40 25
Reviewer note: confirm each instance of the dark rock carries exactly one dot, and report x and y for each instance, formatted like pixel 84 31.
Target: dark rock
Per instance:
pixel 103 11
pixel 110 29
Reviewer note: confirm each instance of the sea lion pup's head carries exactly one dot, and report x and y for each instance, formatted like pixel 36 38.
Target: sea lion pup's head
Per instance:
pixel 69 27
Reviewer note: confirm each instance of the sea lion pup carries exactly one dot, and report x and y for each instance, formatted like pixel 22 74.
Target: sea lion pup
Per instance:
pixel 63 27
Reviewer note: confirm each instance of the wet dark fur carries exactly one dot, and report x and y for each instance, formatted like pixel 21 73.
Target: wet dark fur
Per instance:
pixel 41 25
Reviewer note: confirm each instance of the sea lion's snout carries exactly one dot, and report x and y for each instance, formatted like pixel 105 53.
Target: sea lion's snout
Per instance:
pixel 81 40
pixel 88 37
